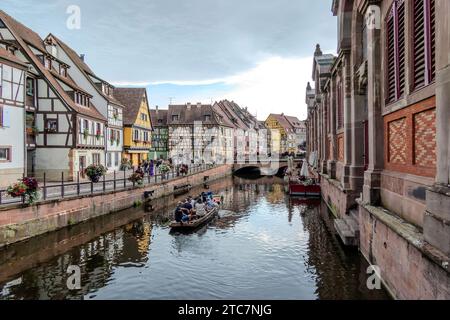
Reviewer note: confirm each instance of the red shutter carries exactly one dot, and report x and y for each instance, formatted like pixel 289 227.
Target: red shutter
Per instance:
pixel 424 37
pixel 390 42
pixel 432 40
pixel 419 53
pixel 401 48
pixel 396 57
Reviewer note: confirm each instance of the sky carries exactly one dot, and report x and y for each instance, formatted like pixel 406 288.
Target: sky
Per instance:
pixel 257 53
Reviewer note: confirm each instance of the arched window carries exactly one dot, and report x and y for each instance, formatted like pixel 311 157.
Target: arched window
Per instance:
pixel 395 51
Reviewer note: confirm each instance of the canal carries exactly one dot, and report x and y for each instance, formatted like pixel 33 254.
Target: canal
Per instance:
pixel 264 246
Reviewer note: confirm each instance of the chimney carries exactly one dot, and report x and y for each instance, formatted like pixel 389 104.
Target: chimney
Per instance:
pixel 156 109
pixel 199 104
pixel 188 105
pixel 82 56
pixel 308 87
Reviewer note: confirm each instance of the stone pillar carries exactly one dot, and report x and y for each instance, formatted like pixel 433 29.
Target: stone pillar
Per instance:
pixel 347 122
pixel 320 136
pixel 437 218
pixel 357 140
pixel 331 165
pixel 372 177
pixel 325 152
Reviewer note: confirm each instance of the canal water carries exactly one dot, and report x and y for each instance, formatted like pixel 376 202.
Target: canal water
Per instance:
pixel 264 246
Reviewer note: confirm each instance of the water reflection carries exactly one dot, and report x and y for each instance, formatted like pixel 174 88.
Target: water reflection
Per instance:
pixel 267 246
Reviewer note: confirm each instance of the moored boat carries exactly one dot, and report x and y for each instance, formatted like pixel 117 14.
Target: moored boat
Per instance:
pixel 304 189
pixel 179 190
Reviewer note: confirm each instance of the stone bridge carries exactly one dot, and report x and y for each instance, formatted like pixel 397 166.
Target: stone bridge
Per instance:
pixel 265 168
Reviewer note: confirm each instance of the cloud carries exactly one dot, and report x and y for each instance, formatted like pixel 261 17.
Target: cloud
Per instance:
pixel 250 51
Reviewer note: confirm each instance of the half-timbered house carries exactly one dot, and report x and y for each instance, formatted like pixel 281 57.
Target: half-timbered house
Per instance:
pixel 160 136
pixel 69 129
pixel 12 117
pixel 102 97
pixel 199 134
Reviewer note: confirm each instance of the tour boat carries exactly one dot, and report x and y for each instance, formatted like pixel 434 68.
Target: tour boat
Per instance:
pixel 306 190
pixel 191 225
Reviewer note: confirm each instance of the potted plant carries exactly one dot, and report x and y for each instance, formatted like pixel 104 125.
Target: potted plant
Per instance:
pixel 97 135
pixel 125 165
pixel 35 131
pixel 137 177
pixel 27 188
pixel 95 172
pixel 85 133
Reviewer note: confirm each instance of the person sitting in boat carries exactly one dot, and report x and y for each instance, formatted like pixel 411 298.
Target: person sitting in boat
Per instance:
pixel 211 204
pixel 190 208
pixel 200 209
pixel 181 213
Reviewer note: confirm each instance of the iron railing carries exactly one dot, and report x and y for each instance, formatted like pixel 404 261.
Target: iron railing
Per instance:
pixel 118 180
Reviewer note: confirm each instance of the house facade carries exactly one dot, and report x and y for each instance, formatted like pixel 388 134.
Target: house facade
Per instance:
pixel 199 134
pixel 69 131
pixel 288 132
pixel 137 136
pixel 378 122
pixel 102 97
pixel 160 135
pixel 12 118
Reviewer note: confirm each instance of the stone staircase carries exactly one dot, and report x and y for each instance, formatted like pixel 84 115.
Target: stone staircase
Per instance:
pixel 348 228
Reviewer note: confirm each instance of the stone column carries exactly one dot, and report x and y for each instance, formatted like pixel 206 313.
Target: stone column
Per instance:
pixel 372 177
pixel 347 122
pixel 331 165
pixel 325 107
pixel 436 222
pixel 319 136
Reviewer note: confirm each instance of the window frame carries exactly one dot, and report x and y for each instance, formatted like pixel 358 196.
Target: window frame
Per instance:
pixel 8 154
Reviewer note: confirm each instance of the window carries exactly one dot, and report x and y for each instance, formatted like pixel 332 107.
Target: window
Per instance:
pixel 424 43
pixel 207 118
pixel 109 159
pixel 51 125
pixel 1 114
pixel 47 63
pixel 143 117
pixel 340 106
pixel 160 121
pixel 86 125
pixel 116 159
pixel 63 71
pixel 395 43
pixel 175 117
pixel 5 154
pixel 30 87
pixel 96 158
pixel 136 135
pixel 98 132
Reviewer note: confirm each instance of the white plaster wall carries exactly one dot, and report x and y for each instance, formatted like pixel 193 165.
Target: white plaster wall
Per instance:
pixel 59 159
pixel 14 136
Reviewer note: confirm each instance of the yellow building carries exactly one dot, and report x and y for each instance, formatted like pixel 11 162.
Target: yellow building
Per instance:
pixel 137 125
pixel 279 123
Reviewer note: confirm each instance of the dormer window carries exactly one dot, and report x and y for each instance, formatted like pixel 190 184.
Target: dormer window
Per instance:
pixel 175 117
pixel 47 63
pixel 63 71
pixel 207 118
pixel 82 99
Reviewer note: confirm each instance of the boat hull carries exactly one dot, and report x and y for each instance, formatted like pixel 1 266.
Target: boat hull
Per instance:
pixel 195 224
pixel 305 191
